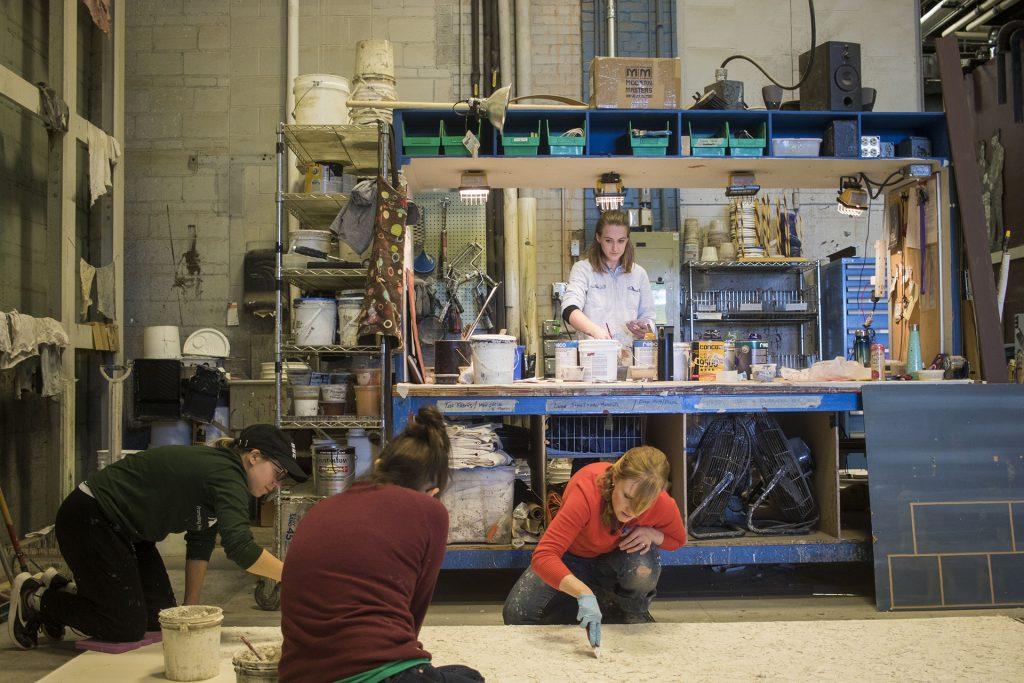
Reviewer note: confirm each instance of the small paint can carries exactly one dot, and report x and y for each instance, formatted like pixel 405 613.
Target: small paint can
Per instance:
pixel 710 360
pixel 645 353
pixel 878 361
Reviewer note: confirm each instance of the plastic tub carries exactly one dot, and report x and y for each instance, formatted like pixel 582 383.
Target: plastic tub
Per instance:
pixel 368 400
pixel 480 501
pixel 494 358
pixel 520 143
pixel 321 100
pixel 600 360
pixel 419 145
pixel 451 141
pixel 796 147
pixel 375 58
pixel 316 320
pixel 350 304
pixel 645 353
pixel 567 354
pixel 562 145
pixel 649 146
pixel 191 642
pixel 305 400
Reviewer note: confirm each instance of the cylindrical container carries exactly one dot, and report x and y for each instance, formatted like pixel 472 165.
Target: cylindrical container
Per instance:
pixel 321 100
pixel 450 355
pixel 494 357
pixel 748 352
pixel 316 319
pixel 252 669
pixel 914 361
pixel 878 361
pixel 350 303
pixel 665 356
pixel 311 239
pixel 567 355
pixel 293 509
pixel 365 376
pixel 334 407
pixel 373 90
pixel 358 441
pixel 170 433
pixel 191 642
pixel 710 360
pixel 334 393
pixel 862 347
pixel 333 469
pixel 709 254
pixel 600 360
pixel 305 400
pixel 375 58
pixel 161 341
pixel 645 353
pixel 368 400
pixel 681 361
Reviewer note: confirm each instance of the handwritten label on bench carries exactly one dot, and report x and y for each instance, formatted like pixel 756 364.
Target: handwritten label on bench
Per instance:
pixel 478 407
pixel 626 405
pixel 739 404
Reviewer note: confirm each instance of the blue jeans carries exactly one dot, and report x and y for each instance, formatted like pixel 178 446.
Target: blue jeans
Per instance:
pixel 624 584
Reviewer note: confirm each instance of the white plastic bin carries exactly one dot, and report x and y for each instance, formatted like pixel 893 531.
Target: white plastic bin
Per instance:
pixel 796 147
pixel 479 502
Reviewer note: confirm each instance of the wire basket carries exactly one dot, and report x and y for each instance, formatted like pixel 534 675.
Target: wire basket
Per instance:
pixel 594 436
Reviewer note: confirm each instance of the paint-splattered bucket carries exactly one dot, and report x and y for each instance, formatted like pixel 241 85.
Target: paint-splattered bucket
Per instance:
pixel 191 642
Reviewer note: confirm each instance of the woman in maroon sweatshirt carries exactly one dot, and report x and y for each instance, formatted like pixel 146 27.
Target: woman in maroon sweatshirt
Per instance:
pixel 362 566
pixel 599 556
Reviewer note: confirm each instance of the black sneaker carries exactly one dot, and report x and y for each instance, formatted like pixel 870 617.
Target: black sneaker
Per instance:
pixel 22 619
pixel 54 581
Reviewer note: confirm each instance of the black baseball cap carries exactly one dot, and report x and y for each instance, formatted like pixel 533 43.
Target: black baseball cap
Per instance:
pixel 274 444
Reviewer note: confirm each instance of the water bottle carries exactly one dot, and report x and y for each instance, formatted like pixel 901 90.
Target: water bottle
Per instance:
pixel 914 350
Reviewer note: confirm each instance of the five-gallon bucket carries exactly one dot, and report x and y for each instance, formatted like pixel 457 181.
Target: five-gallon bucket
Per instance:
pixel 191 641
pixel 600 360
pixel 375 59
pixel 494 358
pixel 321 100
pixel 350 303
pixel 262 669
pixel 316 320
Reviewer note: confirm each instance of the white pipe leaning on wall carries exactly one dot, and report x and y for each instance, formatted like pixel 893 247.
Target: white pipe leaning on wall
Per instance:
pixel 292 72
pixel 528 293
pixel 512 274
pixel 611 28
pixel 524 60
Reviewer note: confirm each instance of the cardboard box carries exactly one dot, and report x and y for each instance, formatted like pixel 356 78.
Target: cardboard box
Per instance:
pixel 635 83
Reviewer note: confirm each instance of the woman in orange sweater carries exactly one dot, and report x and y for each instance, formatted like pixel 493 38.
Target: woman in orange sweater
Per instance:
pixel 599 556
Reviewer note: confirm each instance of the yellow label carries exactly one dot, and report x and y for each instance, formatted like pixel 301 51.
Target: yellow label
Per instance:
pixel 710 360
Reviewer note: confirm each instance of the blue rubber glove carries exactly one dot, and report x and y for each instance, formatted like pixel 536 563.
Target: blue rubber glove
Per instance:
pixel 589 617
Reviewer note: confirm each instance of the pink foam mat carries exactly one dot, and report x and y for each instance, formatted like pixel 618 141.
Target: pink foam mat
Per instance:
pixel 94 645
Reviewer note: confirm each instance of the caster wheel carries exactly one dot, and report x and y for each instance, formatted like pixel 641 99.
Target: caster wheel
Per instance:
pixel 268 594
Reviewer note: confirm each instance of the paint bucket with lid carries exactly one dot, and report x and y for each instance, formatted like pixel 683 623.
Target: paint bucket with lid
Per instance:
pixel 567 355
pixel 252 669
pixel 333 469
pixel 600 360
pixel 350 303
pixel 161 341
pixel 681 361
pixel 645 353
pixel 494 358
pixel 316 319
pixel 191 642
pixel 321 100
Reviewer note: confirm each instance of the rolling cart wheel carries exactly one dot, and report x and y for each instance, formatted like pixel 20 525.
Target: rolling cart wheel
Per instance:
pixel 268 594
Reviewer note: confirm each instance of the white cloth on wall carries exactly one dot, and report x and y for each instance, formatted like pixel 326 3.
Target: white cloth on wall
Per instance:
pixel 104 154
pixel 5 335
pixel 24 376
pixel 27 334
pixel 105 291
pixel 50 363
pixel 86 273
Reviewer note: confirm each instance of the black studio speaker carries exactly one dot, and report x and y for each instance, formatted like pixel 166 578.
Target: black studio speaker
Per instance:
pixel 834 81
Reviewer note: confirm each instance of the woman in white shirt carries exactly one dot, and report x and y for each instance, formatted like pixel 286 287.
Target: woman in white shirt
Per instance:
pixel 609 295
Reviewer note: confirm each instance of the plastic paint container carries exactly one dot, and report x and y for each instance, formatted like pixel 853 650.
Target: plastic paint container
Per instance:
pixel 645 353
pixel 249 669
pixel 349 306
pixel 191 642
pixel 494 358
pixel 321 100
pixel 567 355
pixel 681 365
pixel 600 360
pixel 316 319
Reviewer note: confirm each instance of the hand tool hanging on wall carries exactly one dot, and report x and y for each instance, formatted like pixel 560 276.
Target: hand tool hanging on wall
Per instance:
pixel 15 544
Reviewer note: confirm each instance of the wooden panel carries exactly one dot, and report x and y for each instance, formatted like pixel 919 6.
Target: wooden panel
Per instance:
pixel 822 436
pixel 668 434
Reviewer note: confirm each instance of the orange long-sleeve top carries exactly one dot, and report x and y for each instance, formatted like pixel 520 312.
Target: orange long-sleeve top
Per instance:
pixel 578 529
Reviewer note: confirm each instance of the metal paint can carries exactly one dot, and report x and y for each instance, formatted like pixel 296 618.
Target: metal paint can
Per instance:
pixel 878 361
pixel 645 353
pixel 748 353
pixel 333 469
pixel 710 360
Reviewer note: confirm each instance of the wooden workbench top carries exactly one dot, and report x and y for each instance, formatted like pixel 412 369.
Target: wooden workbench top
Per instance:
pixel 556 388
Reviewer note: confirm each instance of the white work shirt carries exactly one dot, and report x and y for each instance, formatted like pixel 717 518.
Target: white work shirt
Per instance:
pixel 611 297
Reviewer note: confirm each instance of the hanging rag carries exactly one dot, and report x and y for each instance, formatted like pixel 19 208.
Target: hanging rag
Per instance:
pixel 99 10
pixel 105 291
pixel 104 153
pixel 52 109
pixel 354 223
pixel 23 340
pixel 5 335
pixel 86 273
pixel 50 365
pixel 25 376
pixel 385 278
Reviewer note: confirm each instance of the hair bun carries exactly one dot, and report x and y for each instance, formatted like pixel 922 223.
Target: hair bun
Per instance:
pixel 430 418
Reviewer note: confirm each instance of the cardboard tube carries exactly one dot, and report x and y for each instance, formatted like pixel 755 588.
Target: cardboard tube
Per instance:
pixel 528 266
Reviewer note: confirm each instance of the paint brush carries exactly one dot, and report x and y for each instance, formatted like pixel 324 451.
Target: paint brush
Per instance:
pixel 249 645
pixel 608 327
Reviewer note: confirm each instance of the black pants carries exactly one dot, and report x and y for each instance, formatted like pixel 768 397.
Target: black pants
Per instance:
pixel 624 584
pixel 122 586
pixel 452 673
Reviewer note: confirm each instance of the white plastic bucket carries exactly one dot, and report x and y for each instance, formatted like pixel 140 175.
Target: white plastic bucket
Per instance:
pixel 358 440
pixel 600 360
pixel 645 353
pixel 567 355
pixel 314 239
pixel 349 306
pixel 375 57
pixel 170 433
pixel 161 341
pixel 305 400
pixel 494 356
pixel 316 319
pixel 681 354
pixel 191 642
pixel 249 669
pixel 321 100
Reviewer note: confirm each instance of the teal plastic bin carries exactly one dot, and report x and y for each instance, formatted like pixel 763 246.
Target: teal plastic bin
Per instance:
pixel 521 143
pixel 452 144
pixel 562 145
pixel 420 145
pixel 747 141
pixel 649 146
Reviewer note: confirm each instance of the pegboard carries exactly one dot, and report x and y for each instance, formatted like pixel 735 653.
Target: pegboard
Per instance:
pixel 466 224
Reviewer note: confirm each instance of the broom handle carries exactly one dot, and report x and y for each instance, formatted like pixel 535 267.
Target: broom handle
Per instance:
pixel 10 532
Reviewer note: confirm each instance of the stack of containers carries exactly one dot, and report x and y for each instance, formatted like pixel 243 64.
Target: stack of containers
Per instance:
pixel 691 240
pixel 374 80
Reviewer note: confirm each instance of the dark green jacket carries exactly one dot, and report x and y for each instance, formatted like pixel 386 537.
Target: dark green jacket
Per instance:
pixel 167 490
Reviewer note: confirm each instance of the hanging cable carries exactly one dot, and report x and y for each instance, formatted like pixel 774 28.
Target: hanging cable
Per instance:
pixel 807 69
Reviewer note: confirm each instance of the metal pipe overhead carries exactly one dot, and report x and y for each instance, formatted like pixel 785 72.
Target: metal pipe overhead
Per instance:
pixel 611 28
pixel 971 14
pixel 1001 7
pixel 942 14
